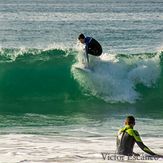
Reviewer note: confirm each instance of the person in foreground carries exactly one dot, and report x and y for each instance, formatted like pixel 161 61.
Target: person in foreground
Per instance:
pixel 127 137
pixel 92 46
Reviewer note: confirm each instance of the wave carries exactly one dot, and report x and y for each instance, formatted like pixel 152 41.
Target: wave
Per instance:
pixel 50 75
pixel 13 54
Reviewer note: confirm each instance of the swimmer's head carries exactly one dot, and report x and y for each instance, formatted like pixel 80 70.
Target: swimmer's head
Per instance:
pixel 130 120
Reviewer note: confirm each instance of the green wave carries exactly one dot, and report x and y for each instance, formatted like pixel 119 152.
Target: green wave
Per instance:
pixel 39 80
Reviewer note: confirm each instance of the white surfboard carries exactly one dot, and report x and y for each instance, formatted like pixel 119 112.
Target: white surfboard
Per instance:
pixel 83 69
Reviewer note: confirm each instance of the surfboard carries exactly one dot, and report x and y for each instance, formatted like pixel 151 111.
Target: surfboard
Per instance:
pixel 84 69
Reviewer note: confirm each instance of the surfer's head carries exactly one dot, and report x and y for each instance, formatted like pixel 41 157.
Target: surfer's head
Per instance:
pixel 130 120
pixel 81 38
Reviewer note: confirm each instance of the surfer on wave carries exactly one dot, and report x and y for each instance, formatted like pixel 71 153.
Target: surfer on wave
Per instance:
pixel 92 46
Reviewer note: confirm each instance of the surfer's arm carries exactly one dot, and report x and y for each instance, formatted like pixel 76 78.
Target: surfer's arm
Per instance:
pixel 145 148
pixel 141 144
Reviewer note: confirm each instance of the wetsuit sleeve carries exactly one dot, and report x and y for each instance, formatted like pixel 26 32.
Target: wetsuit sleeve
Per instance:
pixel 141 144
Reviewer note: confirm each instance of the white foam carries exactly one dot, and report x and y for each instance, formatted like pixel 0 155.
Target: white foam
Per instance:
pixel 43 148
pixel 146 71
pixel 115 77
pixel 12 54
pixel 61 46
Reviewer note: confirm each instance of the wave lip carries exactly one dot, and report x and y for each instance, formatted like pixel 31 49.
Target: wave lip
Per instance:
pixel 12 54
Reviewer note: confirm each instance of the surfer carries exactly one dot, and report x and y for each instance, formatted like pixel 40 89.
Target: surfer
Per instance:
pixel 127 137
pixel 92 46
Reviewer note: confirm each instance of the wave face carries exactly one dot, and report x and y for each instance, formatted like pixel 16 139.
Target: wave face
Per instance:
pixel 38 75
pixel 49 75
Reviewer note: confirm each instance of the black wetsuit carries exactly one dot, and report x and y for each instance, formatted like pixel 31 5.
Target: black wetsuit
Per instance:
pixel 92 46
pixel 126 139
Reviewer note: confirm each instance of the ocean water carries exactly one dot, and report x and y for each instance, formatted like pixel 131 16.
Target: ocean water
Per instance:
pixel 52 112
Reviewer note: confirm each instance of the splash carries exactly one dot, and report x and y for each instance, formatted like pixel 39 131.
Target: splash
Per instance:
pixel 114 77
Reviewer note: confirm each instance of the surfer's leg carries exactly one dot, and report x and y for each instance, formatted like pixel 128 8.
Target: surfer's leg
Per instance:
pixel 86 58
